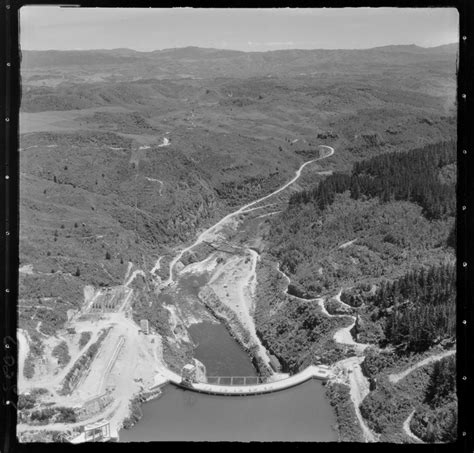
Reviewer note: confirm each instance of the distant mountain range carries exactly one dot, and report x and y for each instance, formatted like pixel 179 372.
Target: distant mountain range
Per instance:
pixel 228 52
pixel 195 62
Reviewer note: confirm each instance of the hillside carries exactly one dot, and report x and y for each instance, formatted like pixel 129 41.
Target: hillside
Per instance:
pixel 391 212
pixel 140 164
pixel 194 62
pixel 129 160
pixel 375 244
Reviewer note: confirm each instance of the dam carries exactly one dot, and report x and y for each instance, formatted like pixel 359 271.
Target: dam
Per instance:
pixel 319 372
pixel 291 409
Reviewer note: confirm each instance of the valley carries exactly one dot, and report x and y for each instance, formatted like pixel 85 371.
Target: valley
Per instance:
pixel 238 190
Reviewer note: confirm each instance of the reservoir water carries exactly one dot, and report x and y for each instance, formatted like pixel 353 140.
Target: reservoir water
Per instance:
pixel 216 349
pixel 301 413
pixel 219 352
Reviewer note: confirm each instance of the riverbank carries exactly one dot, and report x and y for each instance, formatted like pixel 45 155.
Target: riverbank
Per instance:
pixel 228 295
pixel 354 394
pixel 169 378
pixel 297 331
pixel 348 426
pixel 334 345
pixel 136 404
pixel 244 332
pixel 236 330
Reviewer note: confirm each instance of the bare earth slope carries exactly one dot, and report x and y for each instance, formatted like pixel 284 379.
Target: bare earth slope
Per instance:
pixel 127 157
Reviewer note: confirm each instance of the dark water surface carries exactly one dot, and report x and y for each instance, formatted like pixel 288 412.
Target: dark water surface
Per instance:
pixel 300 413
pixel 219 352
pixel 216 349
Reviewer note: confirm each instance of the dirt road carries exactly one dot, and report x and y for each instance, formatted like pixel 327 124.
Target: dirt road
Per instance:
pixel 205 235
pixel 406 428
pixel 347 371
pixel 394 378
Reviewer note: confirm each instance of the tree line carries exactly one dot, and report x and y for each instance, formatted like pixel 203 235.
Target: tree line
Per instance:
pixel 437 419
pixel 419 308
pixel 409 176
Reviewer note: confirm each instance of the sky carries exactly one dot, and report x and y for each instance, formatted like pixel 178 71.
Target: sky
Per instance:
pixel 52 27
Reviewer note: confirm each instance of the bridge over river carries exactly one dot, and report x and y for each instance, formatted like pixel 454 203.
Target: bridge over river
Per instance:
pixel 312 372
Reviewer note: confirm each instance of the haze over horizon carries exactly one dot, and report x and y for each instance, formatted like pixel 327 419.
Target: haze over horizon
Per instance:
pixel 248 30
pixel 252 207
pixel 234 50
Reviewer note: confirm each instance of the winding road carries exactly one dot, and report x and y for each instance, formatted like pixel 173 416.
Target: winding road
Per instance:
pixel 394 378
pixel 348 370
pixel 408 431
pixel 241 210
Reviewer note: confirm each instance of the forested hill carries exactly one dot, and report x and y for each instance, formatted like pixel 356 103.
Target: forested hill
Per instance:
pixel 414 311
pixel 392 213
pixel 424 307
pixel 411 176
pixel 436 419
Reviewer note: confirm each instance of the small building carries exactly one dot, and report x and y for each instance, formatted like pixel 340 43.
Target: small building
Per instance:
pixel 144 326
pixel 275 363
pixel 188 374
pixel 95 432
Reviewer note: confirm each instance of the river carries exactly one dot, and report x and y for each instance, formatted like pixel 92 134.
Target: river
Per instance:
pixel 219 352
pixel 301 413
pixel 215 347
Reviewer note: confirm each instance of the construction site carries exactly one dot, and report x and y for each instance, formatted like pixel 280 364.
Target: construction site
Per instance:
pixel 118 361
